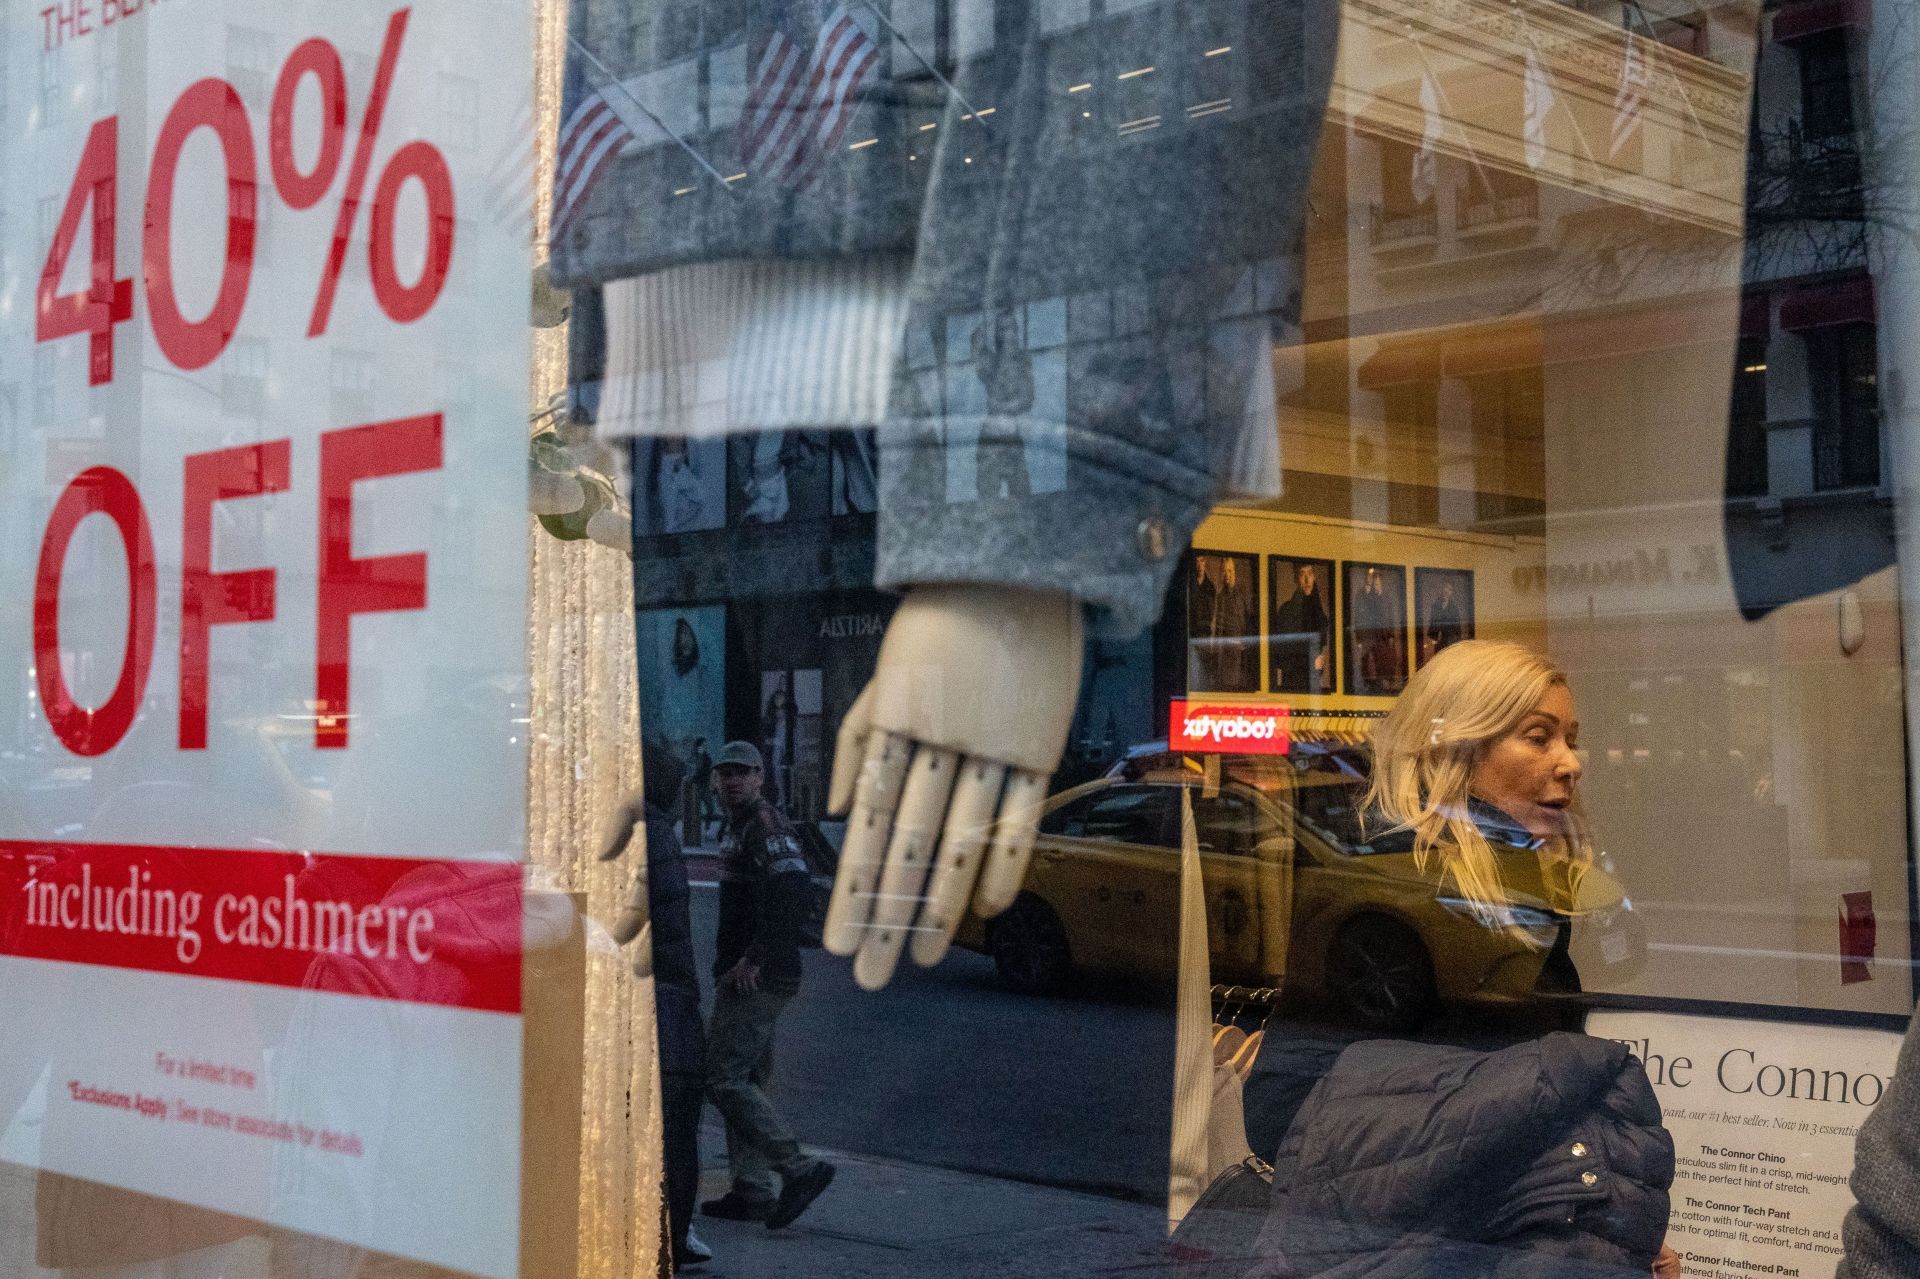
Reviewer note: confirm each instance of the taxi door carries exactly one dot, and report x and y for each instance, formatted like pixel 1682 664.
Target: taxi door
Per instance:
pixel 1103 863
pixel 1246 858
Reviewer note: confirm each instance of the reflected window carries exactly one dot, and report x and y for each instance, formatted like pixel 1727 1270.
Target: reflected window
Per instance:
pixel 1826 85
pixel 49 88
pixel 1747 421
pixel 1227 824
pixel 243 379
pixel 251 65
pixel 1846 430
pixel 1122 814
pixel 1329 806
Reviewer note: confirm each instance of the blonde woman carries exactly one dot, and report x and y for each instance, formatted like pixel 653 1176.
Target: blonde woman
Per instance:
pixel 1482 747
pixel 1547 1157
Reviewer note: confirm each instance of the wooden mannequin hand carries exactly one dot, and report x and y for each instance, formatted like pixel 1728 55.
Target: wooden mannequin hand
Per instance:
pixel 635 913
pixel 944 761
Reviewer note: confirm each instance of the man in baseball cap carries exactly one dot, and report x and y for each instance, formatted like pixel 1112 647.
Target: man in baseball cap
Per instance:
pixel 763 909
pixel 742 755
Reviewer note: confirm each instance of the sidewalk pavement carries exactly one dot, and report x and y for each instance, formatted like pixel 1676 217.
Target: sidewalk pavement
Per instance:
pixel 883 1218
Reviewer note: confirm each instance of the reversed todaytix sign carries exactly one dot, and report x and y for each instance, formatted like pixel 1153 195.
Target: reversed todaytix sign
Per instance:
pixel 1226 729
pixel 263 764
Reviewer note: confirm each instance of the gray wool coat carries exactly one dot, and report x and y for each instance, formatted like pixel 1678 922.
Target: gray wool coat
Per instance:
pixel 1882 1231
pixel 1103 204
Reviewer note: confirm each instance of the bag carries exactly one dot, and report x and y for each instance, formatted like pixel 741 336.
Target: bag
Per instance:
pixel 822 864
pixel 1218 1233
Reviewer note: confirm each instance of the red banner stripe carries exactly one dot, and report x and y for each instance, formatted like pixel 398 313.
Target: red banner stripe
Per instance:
pixel 421 931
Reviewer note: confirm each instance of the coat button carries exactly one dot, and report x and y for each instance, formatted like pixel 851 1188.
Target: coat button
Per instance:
pixel 1588 1178
pixel 1152 535
pixel 1579 1149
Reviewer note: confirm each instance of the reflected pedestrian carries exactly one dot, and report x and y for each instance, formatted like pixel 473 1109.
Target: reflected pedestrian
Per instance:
pixel 676 997
pixel 763 909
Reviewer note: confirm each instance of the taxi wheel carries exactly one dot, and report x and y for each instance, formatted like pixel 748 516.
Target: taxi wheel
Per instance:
pixel 1029 947
pixel 1382 975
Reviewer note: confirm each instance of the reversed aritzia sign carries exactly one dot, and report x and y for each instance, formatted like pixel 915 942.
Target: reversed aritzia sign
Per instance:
pixel 1239 730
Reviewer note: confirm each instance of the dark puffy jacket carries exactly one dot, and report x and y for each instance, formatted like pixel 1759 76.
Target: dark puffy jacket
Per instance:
pixel 1418 1160
pixel 676 974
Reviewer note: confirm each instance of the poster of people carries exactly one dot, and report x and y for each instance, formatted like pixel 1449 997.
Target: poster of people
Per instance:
pixel 1442 610
pixel 800 660
pixel 679 485
pixel 1376 629
pixel 682 658
pixel 790 737
pixel 1300 637
pixel 775 476
pixel 1223 631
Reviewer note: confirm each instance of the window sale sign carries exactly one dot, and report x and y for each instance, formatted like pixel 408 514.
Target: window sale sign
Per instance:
pixel 1227 730
pixel 263 550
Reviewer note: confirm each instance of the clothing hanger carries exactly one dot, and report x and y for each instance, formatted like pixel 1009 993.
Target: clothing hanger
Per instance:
pixel 1227 1043
pixel 1242 1061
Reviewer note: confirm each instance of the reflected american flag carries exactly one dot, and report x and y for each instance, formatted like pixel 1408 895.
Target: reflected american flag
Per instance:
pixel 805 77
pixel 1629 98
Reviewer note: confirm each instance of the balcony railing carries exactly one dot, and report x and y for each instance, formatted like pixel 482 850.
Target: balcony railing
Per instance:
pixel 1403 228
pixel 1478 212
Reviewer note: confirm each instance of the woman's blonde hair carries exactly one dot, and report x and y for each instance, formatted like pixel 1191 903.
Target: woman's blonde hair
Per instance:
pixel 1425 751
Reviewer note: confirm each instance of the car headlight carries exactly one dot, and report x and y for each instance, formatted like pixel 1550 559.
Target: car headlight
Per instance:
pixel 1531 918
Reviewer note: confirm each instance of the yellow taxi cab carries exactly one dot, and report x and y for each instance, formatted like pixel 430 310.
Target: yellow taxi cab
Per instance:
pixel 1297 895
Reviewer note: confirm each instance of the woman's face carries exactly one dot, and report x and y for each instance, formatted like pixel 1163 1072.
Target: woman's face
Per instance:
pixel 1530 773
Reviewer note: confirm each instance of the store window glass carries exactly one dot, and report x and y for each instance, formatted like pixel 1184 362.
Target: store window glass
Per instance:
pixel 961 637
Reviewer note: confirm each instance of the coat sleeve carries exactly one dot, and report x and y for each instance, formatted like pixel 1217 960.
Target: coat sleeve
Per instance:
pixel 1088 352
pixel 1882 1232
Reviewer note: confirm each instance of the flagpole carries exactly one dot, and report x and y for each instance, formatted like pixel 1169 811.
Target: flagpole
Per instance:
pixel 1681 89
pixel 925 62
pixel 1473 157
pixel 1579 134
pixel 614 81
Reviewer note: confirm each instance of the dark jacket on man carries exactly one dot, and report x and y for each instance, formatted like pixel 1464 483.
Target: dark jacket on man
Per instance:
pixel 1547 1159
pixel 763 896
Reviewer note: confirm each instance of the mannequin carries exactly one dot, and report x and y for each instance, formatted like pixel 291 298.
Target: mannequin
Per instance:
pixel 943 763
pixel 1058 313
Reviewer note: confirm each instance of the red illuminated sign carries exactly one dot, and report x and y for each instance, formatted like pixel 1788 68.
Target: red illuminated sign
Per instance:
pixel 1235 730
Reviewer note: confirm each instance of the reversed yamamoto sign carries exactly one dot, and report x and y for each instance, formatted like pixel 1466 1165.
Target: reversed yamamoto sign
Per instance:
pixel 262 546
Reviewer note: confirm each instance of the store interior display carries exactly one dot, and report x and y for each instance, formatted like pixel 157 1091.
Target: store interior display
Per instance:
pixel 720 296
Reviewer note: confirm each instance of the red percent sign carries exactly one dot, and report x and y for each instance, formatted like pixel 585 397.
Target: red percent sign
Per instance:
pixel 214 104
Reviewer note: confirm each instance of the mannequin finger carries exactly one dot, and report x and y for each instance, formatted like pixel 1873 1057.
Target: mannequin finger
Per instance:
pixel 956 864
pixel 620 828
pixel 862 853
pixel 1006 867
pixel 850 751
pixel 633 913
pixel 916 830
pixel 643 952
